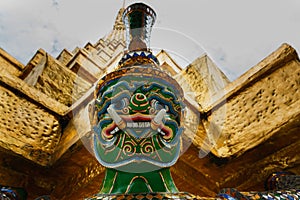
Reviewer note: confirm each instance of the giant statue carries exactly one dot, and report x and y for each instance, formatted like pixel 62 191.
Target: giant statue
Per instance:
pixel 137 119
pixel 135 126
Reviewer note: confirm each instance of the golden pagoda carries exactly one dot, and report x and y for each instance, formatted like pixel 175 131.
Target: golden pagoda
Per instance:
pixel 238 133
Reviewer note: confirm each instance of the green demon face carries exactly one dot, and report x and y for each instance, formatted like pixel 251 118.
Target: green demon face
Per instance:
pixel 138 121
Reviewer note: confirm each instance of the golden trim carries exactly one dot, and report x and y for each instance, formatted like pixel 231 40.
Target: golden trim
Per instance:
pixel 121 150
pixel 136 177
pixel 156 152
pixel 112 187
pixel 163 180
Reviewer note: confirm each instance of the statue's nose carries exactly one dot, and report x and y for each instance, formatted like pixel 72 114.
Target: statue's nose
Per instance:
pixel 139 102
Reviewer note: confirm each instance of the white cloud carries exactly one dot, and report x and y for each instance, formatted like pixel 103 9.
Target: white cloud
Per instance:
pixel 33 24
pixel 236 34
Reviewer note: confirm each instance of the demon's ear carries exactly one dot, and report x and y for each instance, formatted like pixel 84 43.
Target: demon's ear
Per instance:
pixel 92 113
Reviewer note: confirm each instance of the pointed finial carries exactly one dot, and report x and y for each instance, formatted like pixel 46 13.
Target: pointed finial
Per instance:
pixel 138 19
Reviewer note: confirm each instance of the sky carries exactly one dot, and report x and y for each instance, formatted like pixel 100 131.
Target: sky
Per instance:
pixel 235 34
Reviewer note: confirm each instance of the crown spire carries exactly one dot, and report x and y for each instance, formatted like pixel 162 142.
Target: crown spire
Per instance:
pixel 138 19
pixel 119 25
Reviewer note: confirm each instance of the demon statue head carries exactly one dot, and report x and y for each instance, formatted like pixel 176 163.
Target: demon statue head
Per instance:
pixel 138 110
pixel 138 118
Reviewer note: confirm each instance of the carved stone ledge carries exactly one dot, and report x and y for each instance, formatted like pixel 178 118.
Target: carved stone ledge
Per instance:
pixel 256 105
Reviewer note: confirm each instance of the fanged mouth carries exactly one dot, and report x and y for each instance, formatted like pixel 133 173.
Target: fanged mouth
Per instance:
pixel 138 123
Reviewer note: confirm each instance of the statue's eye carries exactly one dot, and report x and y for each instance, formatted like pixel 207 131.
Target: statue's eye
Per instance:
pixel 158 105
pixel 120 104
